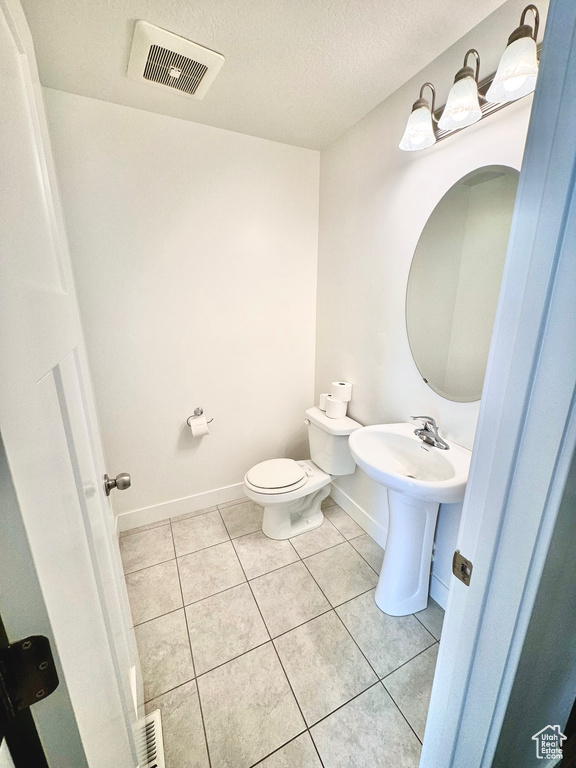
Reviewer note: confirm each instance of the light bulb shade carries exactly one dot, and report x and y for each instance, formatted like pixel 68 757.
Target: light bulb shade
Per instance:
pixel 419 132
pixel 517 72
pixel 462 107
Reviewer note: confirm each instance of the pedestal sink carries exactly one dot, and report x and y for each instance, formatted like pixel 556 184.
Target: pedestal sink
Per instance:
pixel 419 478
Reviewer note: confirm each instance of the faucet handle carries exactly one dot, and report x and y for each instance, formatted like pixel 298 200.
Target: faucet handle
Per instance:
pixel 425 420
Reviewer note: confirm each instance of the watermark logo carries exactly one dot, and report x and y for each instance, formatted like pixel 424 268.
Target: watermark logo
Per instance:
pixel 549 743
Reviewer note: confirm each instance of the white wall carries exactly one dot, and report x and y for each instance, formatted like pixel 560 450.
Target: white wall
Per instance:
pixel 195 257
pixel 374 202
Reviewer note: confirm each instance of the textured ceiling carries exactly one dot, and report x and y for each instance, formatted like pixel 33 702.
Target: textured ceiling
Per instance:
pixel 297 71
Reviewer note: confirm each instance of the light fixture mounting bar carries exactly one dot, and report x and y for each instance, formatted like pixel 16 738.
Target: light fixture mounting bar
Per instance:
pixel 487 107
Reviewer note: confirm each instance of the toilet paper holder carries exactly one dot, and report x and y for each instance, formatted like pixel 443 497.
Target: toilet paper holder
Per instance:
pixel 197 412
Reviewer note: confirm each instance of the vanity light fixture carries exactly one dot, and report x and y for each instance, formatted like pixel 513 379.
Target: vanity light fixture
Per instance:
pixel 470 100
pixel 518 69
pixel 463 107
pixel 419 133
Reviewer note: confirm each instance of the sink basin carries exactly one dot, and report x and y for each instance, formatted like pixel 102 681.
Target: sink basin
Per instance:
pixel 392 455
pixel 419 478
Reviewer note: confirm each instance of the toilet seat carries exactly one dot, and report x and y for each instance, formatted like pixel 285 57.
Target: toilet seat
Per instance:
pixel 276 476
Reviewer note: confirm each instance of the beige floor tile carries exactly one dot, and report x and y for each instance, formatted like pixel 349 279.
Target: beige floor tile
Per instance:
pixel 370 550
pixel 198 532
pixel 328 502
pixel 182 729
pixel 140 550
pixel 141 528
pixel 299 753
pixel 232 503
pixel 288 597
pixel 259 554
pixel 224 626
pixel 196 513
pixel 154 591
pixel 164 651
pixel 242 518
pixel 209 571
pixel 324 666
pixel 386 641
pixel 323 537
pixel 432 617
pixel 411 687
pixel 341 573
pixel 342 520
pixel 249 709
pixel 369 732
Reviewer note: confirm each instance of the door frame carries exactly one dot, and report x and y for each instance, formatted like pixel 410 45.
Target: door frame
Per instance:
pixel 526 431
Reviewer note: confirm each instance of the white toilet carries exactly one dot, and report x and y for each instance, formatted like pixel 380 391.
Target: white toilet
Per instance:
pixel 292 492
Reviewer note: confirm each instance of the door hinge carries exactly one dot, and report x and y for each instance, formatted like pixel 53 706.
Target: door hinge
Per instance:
pixel 462 568
pixel 27 674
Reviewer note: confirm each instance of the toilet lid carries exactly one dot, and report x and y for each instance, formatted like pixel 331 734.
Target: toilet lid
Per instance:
pixel 276 473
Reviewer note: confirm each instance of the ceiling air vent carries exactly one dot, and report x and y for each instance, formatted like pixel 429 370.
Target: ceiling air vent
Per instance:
pixel 165 59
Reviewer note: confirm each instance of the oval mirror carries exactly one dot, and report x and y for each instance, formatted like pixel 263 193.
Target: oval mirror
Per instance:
pixel 454 281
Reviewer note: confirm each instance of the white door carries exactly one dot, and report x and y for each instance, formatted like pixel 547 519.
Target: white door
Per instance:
pixel 49 429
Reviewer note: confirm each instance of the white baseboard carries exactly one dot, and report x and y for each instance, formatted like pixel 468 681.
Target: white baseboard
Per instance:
pixel 372 527
pixel 159 512
pixel 439 591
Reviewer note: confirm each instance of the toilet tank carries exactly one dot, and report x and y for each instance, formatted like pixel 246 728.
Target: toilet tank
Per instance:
pixel 328 440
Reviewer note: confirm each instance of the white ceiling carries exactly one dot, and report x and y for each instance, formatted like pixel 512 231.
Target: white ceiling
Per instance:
pixel 297 71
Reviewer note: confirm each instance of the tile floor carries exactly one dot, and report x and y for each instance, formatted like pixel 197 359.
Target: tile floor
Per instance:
pixel 273 653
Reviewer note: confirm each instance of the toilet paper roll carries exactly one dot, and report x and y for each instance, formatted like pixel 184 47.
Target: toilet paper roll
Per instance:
pixel 322 404
pixel 199 426
pixel 335 409
pixel 342 390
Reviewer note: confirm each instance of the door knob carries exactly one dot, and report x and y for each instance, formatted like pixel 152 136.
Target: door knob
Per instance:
pixel 121 481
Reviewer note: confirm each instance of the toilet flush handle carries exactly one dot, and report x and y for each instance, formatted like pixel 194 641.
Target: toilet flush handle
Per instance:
pixel 307 422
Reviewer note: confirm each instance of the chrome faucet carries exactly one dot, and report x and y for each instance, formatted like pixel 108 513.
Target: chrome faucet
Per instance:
pixel 428 433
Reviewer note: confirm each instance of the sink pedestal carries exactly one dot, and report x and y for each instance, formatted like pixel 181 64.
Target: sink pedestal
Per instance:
pixel 405 576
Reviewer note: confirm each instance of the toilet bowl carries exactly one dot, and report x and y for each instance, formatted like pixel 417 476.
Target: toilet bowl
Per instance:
pixel 288 509
pixel 292 492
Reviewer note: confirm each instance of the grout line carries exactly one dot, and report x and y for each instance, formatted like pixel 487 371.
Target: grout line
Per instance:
pixel 316 748
pixel 161 616
pixel 234 658
pixel 426 628
pixel 159 695
pixel 362 556
pixel 306 730
pixel 402 713
pixel 203 549
pixel 373 685
pixel 277 654
pixel 234 502
pixel 166 521
pixel 387 675
pixel 261 760
pixel 323 592
pixel 145 528
pixel 220 592
pixel 129 573
pixel 191 515
pixel 332 546
pixel 208 546
pixel 240 535
pixel 323 613
pixel 192 653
